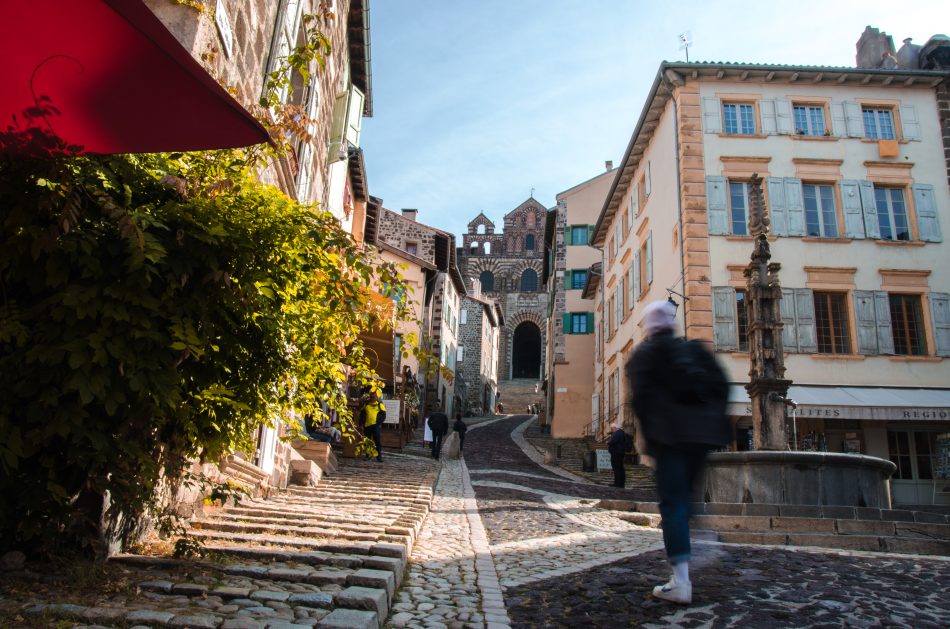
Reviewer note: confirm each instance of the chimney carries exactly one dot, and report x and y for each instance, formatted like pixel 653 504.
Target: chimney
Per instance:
pixel 873 48
pixel 410 213
pixel 609 165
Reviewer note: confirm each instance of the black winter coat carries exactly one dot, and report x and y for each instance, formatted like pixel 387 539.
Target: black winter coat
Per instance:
pixel 439 423
pixel 664 417
pixel 617 443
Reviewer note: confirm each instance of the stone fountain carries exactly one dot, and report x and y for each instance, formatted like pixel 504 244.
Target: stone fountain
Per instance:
pixel 771 473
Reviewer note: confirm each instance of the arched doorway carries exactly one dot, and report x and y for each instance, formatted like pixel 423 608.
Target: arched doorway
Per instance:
pixel 526 351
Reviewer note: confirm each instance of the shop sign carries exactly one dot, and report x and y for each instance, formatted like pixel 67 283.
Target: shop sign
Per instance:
pixel 886 413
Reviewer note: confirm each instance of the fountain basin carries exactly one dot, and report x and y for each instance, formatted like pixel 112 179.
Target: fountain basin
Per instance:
pixel 798 478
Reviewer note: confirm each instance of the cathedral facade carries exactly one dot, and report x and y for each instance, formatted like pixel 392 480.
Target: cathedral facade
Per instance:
pixel 509 265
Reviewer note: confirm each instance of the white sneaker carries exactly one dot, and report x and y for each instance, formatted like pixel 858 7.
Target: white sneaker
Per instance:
pixel 675 592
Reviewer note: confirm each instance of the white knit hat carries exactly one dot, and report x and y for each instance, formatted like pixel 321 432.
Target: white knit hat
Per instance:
pixel 660 315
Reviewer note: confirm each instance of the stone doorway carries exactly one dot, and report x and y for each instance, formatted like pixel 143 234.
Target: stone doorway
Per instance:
pixel 526 351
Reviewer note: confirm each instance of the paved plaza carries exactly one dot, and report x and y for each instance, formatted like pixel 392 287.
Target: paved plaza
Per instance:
pixel 533 534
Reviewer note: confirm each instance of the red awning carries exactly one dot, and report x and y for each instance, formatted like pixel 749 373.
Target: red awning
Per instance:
pixel 106 76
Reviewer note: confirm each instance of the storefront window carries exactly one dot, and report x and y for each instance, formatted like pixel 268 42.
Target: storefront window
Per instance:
pixel 912 452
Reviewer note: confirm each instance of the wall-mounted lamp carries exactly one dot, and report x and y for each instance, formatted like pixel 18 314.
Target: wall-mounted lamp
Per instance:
pixel 670 292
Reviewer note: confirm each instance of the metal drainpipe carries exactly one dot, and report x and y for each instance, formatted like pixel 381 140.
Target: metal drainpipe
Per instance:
pixel 679 199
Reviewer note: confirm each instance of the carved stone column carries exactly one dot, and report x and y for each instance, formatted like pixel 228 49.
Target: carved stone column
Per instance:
pixel 767 384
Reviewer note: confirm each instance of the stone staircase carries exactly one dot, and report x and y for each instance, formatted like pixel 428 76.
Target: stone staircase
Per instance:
pixel 847 528
pixel 569 455
pixel 326 556
pixel 517 395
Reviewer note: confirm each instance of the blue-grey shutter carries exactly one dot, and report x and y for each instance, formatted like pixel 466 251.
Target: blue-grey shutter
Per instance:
pixel 853 213
pixel 940 315
pixel 717 205
pixel 783 116
pixel 928 225
pixel 866 320
pixel 794 207
pixel 839 124
pixel 568 233
pixel 636 274
pixel 853 119
pixel 776 187
pixel 590 234
pixel 647 180
pixel 767 110
pixel 649 254
pixel 590 323
pixel 910 124
pixel 789 329
pixel 869 204
pixel 805 320
pixel 885 334
pixel 725 331
pixel 712 118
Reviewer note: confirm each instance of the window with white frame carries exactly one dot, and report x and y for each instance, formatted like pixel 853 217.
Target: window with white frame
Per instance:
pixel 738 207
pixel 878 123
pixel 459 353
pixel 891 213
pixel 913 452
pixel 809 119
pixel 821 218
pixel 738 118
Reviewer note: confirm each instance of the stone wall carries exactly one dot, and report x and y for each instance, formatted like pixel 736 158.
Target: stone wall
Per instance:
pixel 396 230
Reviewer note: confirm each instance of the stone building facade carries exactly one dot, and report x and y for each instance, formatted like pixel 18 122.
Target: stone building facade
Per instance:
pixel 441 299
pixel 509 266
pixel 479 332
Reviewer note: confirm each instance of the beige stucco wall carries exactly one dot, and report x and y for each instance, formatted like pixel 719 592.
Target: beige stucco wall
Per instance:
pixel 414 276
pixel 867 256
pixel 572 377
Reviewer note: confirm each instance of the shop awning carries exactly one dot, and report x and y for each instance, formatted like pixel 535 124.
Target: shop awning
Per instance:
pixel 874 403
pixel 106 76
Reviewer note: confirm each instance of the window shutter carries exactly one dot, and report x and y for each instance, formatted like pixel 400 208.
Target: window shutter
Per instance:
pixel 871 227
pixel 794 207
pixel 725 331
pixel 885 335
pixel 631 295
pixel 337 128
pixel 805 320
pixel 789 329
pixel 767 109
pixel 783 116
pixel 590 235
pixel 649 254
pixel 712 118
pixel 354 116
pixel 590 322
pixel 569 279
pixel 716 205
pixel 853 119
pixel 635 199
pixel 646 181
pixel 853 214
pixel 940 315
pixel 839 123
pixel 636 274
pixel 776 188
pixel 568 234
pixel 621 293
pixel 567 323
pixel 928 226
pixel 910 124
pixel 866 320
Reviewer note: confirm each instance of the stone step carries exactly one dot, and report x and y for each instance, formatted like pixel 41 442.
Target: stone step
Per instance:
pixel 349 547
pixel 283 529
pixel 318 559
pixel 290 514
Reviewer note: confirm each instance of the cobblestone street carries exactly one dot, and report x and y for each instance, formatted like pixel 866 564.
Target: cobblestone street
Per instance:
pixel 562 562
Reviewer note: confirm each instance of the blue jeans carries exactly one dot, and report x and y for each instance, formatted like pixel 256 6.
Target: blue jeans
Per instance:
pixel 676 472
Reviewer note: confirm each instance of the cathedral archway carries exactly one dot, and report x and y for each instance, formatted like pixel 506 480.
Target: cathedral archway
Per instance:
pixel 526 351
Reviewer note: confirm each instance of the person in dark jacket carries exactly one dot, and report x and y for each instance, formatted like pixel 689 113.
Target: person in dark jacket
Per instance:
pixel 617 446
pixel 439 425
pixel 679 431
pixel 460 427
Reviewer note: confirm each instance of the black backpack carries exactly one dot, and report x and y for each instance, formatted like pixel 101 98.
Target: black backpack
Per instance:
pixel 627 442
pixel 696 377
pixel 381 415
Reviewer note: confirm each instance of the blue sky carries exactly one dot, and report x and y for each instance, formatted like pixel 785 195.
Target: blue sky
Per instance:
pixel 476 102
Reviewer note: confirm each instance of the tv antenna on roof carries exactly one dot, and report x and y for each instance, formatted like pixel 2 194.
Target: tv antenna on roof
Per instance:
pixel 686 40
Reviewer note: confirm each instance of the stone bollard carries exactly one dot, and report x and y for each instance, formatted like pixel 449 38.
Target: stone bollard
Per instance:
pixel 450 449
